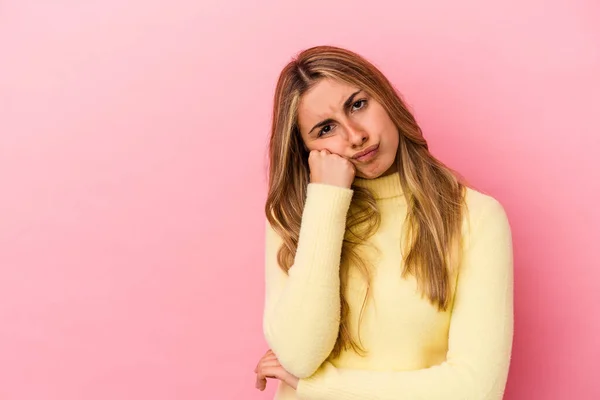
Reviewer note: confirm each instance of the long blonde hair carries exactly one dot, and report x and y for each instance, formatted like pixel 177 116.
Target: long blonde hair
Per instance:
pixel 434 193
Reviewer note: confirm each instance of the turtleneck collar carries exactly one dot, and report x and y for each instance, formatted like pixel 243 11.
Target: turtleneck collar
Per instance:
pixel 384 187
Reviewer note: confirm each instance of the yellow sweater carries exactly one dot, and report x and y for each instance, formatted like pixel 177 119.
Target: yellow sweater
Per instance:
pixel 414 351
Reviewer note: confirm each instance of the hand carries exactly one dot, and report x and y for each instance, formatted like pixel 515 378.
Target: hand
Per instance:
pixel 330 169
pixel 269 367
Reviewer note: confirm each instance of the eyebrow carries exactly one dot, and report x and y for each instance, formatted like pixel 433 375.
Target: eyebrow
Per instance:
pixel 328 121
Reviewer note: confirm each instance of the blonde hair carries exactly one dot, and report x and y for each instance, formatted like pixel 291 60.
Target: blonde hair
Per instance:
pixel 434 193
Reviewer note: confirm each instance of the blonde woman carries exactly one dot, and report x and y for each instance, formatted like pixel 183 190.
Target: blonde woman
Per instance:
pixel 387 277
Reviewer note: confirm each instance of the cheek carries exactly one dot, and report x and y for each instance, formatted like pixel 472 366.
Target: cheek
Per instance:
pixel 388 136
pixel 391 136
pixel 388 130
pixel 334 145
pixel 378 122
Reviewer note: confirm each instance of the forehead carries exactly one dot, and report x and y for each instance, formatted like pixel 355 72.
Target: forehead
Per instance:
pixel 323 99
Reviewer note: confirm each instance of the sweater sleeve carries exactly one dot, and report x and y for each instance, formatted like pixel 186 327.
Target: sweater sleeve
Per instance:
pixel 302 308
pixel 480 335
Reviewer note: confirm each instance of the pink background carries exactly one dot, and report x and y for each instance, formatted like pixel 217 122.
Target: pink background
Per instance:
pixel 132 160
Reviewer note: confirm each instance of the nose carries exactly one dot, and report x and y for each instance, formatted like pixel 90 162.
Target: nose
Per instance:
pixel 356 136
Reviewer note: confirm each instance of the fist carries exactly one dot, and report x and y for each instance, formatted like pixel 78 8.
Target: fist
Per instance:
pixel 269 367
pixel 330 169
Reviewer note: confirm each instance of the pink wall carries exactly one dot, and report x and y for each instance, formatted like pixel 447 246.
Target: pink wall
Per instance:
pixel 132 142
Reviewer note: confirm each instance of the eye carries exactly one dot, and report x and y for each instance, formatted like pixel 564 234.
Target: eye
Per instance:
pixel 325 130
pixel 360 104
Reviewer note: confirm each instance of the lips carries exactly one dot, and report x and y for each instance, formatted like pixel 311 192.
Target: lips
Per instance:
pixel 365 151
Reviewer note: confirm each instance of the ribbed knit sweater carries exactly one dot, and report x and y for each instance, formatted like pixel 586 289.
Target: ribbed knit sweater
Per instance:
pixel 413 350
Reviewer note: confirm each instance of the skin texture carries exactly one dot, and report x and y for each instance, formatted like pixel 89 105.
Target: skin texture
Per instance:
pixel 363 123
pixel 269 367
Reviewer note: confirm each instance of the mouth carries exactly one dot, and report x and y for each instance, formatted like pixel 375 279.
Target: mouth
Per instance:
pixel 367 154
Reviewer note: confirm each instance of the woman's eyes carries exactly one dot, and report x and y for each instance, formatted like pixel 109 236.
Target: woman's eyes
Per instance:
pixel 361 104
pixel 323 132
pixel 356 106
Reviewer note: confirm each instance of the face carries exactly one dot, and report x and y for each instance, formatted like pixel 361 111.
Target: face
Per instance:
pixel 346 121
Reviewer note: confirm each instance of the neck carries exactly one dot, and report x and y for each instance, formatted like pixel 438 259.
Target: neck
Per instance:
pixel 383 187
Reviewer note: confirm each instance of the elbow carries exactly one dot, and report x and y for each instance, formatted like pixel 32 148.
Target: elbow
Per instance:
pixel 300 355
pixel 304 373
pixel 482 382
pixel 300 367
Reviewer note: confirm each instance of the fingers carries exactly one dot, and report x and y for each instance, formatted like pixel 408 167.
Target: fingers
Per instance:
pixel 323 152
pixel 267 367
pixel 261 383
pixel 272 371
pixel 330 168
pixel 268 355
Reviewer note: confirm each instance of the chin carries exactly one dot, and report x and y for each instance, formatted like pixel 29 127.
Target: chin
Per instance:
pixel 369 174
pixel 376 172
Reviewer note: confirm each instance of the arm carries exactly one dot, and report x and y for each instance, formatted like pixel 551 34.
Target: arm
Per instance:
pixel 302 308
pixel 480 336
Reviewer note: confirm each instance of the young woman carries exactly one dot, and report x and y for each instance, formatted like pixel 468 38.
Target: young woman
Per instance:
pixel 386 276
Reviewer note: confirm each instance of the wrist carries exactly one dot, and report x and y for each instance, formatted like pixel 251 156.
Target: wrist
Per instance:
pixel 294 382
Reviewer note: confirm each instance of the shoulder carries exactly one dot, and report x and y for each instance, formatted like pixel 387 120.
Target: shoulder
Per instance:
pixel 477 201
pixel 483 210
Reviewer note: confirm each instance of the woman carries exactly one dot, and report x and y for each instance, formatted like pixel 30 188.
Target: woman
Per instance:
pixel 386 276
